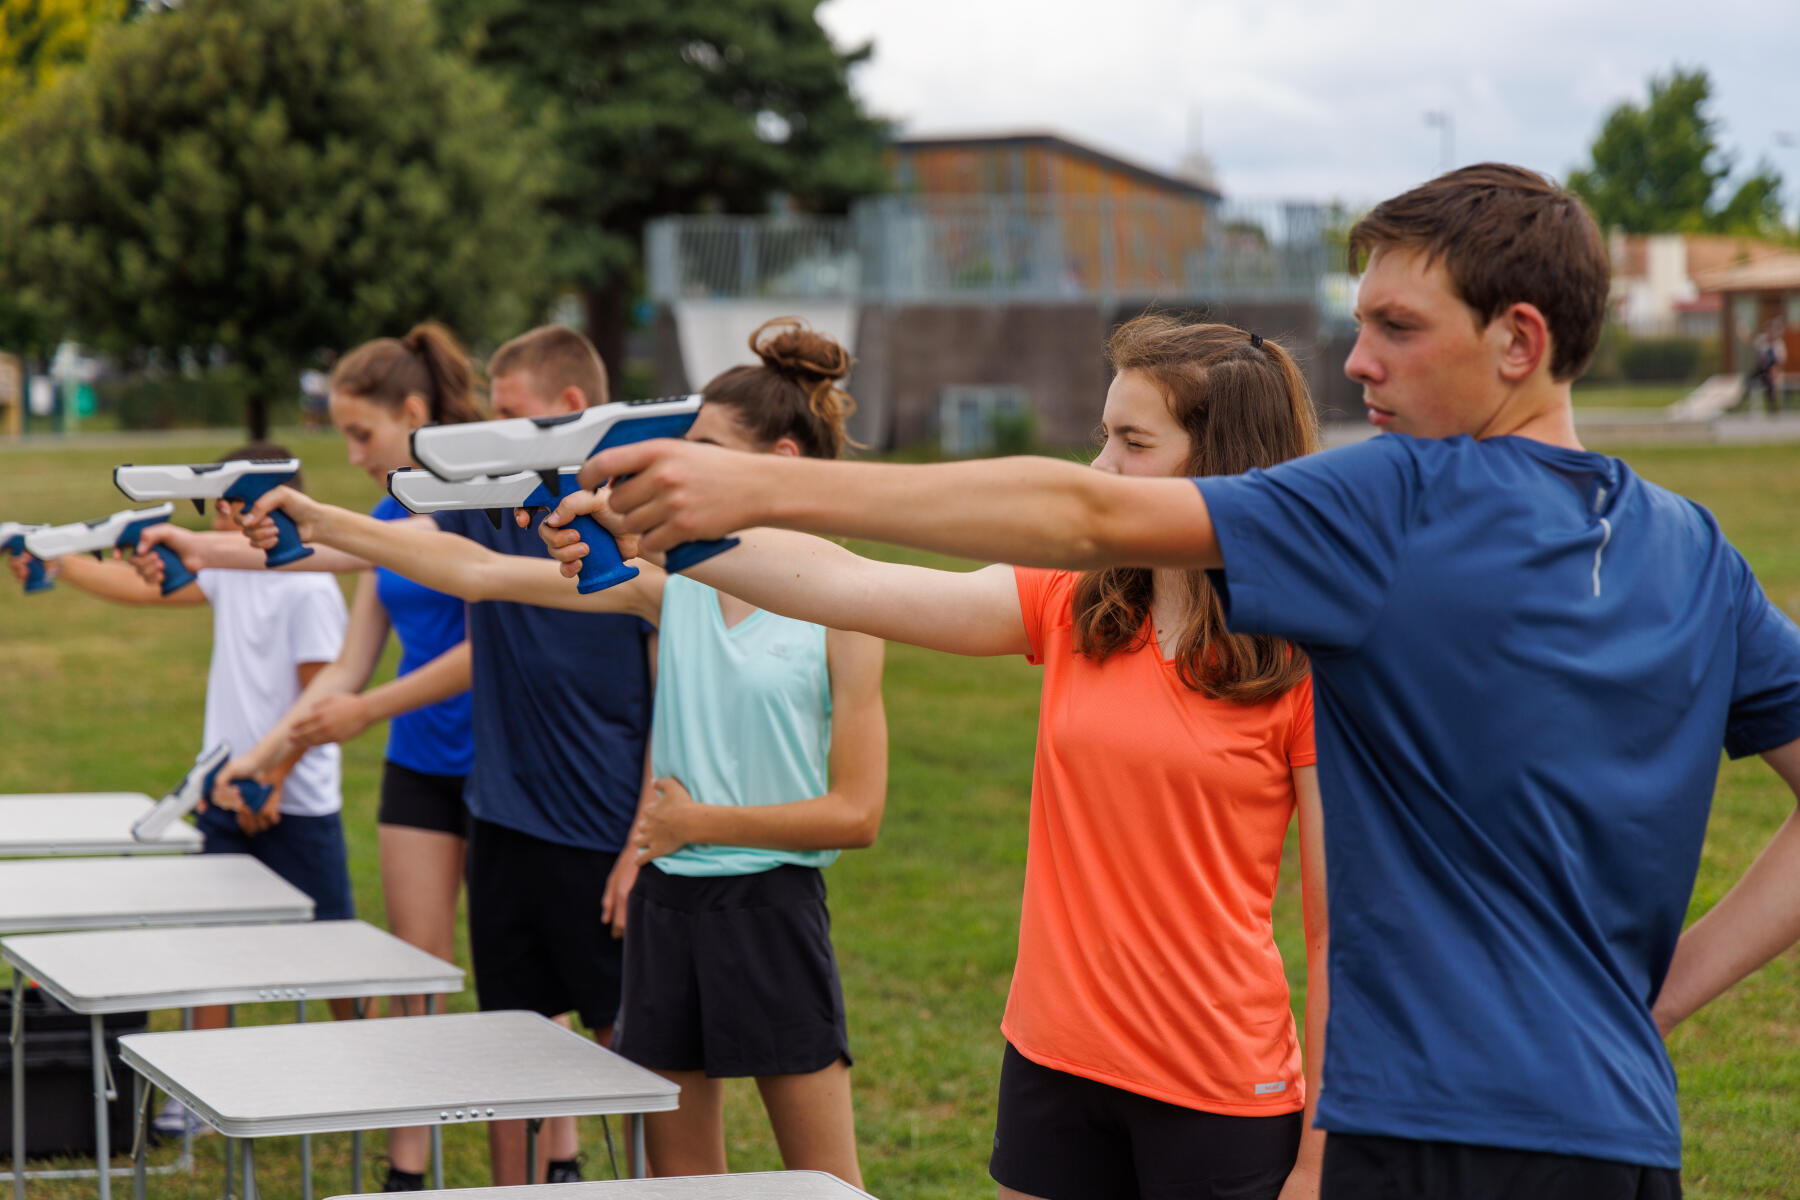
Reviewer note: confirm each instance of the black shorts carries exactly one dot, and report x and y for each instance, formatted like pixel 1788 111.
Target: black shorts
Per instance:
pixel 731 975
pixel 535 932
pixel 1361 1167
pixel 1063 1137
pixel 419 801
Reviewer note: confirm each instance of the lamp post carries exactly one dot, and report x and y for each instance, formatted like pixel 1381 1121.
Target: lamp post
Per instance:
pixel 1445 123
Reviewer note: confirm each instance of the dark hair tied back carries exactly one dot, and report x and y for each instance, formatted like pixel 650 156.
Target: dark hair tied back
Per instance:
pixel 794 393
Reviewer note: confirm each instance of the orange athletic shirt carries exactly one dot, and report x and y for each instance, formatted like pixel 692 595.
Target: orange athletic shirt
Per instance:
pixel 1147 960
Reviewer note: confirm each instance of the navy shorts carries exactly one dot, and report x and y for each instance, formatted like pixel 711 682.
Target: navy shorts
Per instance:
pixel 732 975
pixel 308 852
pixel 1363 1167
pixel 1062 1137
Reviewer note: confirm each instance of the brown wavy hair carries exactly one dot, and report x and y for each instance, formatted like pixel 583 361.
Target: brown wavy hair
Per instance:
pixel 428 362
pixel 1244 404
pixel 793 391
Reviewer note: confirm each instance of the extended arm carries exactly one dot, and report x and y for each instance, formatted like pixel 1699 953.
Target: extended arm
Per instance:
pixel 1757 919
pixel 1303 1180
pixel 846 817
pixel 230 552
pixel 1033 511
pixel 421 551
pixel 118 582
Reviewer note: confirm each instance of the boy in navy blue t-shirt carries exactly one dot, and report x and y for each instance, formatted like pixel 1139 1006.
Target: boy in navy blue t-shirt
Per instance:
pixel 1526 660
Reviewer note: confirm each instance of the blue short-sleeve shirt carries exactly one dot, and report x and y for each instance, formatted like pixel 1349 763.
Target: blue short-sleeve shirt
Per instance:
pixel 1525 660
pixel 435 739
pixel 562 709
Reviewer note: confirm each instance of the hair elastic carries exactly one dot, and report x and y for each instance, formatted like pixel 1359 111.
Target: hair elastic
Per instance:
pixel 1256 340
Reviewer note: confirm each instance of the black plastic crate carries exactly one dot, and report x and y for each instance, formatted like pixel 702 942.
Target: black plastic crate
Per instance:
pixel 59 1080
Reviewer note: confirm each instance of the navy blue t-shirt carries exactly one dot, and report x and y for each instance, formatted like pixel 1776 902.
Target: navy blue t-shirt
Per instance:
pixel 436 739
pixel 562 709
pixel 1525 662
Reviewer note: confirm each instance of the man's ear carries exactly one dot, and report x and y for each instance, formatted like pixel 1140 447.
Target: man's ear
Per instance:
pixel 1523 341
pixel 571 399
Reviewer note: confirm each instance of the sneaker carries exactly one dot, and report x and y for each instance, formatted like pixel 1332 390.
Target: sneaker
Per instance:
pixel 563 1170
pixel 403 1181
pixel 174 1119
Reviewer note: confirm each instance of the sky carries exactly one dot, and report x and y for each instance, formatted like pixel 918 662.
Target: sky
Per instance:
pixel 1323 99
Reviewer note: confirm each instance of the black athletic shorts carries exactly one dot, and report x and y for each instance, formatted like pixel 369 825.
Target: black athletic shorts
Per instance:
pixel 535 932
pixel 1063 1137
pixel 1361 1167
pixel 731 975
pixel 420 801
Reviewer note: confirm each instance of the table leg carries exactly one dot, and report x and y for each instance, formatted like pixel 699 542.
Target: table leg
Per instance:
pixel 140 1131
pixel 356 1162
pixel 230 1151
pixel 437 1131
pixel 230 1022
pixel 187 1126
pixel 306 1180
pixel 532 1124
pixel 249 1168
pixel 102 1135
pixel 640 1157
pixel 18 1083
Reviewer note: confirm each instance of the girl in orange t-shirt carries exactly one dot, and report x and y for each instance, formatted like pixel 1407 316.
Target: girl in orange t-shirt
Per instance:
pixel 1151 1048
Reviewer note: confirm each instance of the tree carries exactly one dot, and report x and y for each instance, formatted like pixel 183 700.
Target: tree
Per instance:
pixel 256 180
pixel 1660 168
pixel 674 107
pixel 40 39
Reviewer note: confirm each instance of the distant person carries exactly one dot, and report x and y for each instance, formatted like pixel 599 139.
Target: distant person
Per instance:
pixel 315 397
pixel 1526 660
pixel 1768 352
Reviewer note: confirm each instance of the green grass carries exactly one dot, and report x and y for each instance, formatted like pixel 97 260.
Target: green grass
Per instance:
pixel 101 698
pixel 1630 395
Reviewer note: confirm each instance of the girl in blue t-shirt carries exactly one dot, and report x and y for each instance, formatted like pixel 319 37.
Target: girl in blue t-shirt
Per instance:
pixel 381 392
pixel 769 750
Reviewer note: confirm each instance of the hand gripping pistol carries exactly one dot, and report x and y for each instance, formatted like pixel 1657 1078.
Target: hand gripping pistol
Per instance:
pixel 243 481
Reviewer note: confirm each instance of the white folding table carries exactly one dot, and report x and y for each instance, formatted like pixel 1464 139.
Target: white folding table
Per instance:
pixel 761 1185
pixel 84 823
pixel 127 970
pixel 38 895
pixel 272 1080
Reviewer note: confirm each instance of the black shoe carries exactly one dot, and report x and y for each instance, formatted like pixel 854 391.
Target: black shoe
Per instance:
pixel 403 1181
pixel 563 1170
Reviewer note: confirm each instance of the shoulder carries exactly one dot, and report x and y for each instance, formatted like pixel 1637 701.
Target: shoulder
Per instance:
pixel 1046 592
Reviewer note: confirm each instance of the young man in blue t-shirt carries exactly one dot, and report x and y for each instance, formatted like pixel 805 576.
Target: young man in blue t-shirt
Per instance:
pixel 1526 660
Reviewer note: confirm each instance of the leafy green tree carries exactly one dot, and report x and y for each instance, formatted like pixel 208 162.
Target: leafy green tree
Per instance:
pixel 674 106
pixel 40 39
pixel 254 180
pixel 1660 168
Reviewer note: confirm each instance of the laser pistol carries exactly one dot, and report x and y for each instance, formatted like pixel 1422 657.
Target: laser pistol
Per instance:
pixel 243 480
pixel 555 448
pixel 194 787
pixel 123 530
pixel 12 541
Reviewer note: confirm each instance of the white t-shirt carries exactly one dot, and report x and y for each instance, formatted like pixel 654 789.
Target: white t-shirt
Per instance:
pixel 265 624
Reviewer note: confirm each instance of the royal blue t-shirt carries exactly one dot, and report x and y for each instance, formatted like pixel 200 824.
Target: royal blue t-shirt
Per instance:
pixel 1525 662
pixel 436 739
pixel 562 709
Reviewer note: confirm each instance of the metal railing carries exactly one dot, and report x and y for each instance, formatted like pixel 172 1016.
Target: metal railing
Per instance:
pixel 950 249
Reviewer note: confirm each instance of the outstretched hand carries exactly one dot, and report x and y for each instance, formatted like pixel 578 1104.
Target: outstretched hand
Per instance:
pixel 149 564
pixel 681 491
pixel 20 564
pixel 565 544
pixel 258 522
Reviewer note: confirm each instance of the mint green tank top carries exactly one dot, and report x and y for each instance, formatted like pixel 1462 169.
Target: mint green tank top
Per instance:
pixel 742 716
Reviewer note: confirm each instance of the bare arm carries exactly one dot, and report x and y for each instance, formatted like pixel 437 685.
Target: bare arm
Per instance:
pixel 1033 511
pixel 421 551
pixel 1303 1181
pixel 846 817
pixel 341 717
pixel 229 551
pixel 811 579
pixel 118 582
pixel 1758 918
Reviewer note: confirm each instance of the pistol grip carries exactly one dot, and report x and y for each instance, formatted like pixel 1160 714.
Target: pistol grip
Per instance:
pixel 36 579
pixel 602 568
pixel 175 573
pixel 692 554
pixel 288 546
pixel 255 794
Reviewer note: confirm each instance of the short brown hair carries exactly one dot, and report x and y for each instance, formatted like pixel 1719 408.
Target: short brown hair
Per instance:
pixel 428 362
pixel 1243 403
pixel 1507 236
pixel 556 357
pixel 793 392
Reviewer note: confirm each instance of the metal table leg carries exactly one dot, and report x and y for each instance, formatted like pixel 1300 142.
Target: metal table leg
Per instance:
pixel 249 1168
pixel 306 1174
pixel 140 1133
pixel 230 1152
pixel 18 1083
pixel 187 1124
pixel 532 1125
pixel 102 1135
pixel 640 1155
pixel 437 1131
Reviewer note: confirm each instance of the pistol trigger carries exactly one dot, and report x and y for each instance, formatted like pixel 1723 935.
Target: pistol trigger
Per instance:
pixel 493 516
pixel 552 482
pixel 199 506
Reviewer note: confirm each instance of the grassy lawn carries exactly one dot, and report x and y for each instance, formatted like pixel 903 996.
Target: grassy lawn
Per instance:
pixel 101 698
pixel 1630 395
